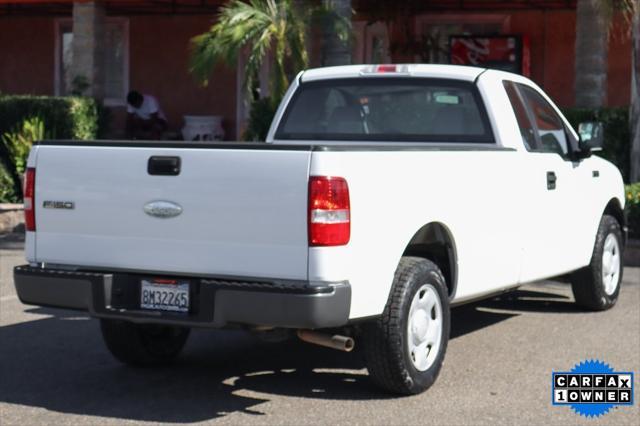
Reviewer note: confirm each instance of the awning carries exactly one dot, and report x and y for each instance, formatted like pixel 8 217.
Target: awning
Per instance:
pixel 155 7
pixel 113 7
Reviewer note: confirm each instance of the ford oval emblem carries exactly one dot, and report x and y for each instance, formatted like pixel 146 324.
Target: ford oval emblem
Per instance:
pixel 162 209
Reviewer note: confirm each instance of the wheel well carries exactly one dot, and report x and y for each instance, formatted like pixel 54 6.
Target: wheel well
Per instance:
pixel 613 209
pixel 435 243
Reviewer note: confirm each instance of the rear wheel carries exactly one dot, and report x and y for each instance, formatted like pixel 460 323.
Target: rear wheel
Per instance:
pixel 143 344
pixel 405 347
pixel 597 286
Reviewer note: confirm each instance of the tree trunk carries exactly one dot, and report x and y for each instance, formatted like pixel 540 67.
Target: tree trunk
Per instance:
pixel 635 98
pixel 336 51
pixel 592 36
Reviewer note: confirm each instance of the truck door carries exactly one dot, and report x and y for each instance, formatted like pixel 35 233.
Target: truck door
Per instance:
pixel 548 180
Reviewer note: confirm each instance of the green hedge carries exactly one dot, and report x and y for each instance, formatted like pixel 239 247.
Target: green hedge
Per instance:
pixel 632 207
pixel 64 117
pixel 8 193
pixel 617 134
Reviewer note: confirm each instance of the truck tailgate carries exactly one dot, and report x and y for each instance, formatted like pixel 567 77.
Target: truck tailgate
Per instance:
pixel 244 211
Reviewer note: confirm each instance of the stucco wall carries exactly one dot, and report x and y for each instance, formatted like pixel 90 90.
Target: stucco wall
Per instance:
pixel 159 54
pixel 619 73
pixel 551 37
pixel 26 55
pixel 158 65
pixel 552 41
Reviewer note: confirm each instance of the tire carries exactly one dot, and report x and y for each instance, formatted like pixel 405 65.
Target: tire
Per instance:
pixel 597 286
pixel 390 346
pixel 143 345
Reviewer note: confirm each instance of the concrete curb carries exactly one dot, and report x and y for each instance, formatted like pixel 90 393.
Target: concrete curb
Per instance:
pixel 11 218
pixel 10 206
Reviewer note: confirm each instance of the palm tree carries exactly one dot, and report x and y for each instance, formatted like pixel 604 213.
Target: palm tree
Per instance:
pixel 592 41
pixel 635 97
pixel 336 29
pixel 593 21
pixel 263 27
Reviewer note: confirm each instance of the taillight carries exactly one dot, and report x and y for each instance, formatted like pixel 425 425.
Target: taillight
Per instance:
pixel 329 211
pixel 29 199
pixel 386 68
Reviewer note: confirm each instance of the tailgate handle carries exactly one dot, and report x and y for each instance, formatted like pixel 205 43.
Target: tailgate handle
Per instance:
pixel 163 166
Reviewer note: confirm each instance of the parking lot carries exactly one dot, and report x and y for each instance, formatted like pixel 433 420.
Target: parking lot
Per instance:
pixel 54 368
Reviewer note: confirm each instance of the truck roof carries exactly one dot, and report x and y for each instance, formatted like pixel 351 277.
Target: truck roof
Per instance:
pixel 457 72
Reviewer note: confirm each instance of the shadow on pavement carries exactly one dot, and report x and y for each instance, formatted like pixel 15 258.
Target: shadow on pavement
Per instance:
pixel 534 301
pixel 60 363
pixel 466 319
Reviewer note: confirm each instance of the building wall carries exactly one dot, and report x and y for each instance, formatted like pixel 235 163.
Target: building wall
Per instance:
pixel 552 41
pixel 559 58
pixel 551 35
pixel 158 65
pixel 158 53
pixel 619 72
pixel 26 55
pixel 159 57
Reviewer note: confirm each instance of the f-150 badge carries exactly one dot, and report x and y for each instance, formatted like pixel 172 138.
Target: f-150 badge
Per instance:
pixel 64 205
pixel 162 209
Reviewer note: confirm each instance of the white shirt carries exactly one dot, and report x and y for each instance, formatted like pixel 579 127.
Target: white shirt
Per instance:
pixel 149 106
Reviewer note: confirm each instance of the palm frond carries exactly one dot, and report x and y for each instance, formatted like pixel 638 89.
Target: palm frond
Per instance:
pixel 296 37
pixel 257 53
pixel 238 24
pixel 262 28
pixel 329 18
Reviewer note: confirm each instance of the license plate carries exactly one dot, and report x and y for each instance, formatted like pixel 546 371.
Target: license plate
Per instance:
pixel 164 295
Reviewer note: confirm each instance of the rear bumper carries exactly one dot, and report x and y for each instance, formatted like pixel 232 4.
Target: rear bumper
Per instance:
pixel 215 303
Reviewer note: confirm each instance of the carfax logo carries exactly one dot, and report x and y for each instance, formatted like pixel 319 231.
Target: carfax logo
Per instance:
pixel 592 388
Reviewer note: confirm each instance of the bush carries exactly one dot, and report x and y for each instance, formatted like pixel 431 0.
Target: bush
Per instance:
pixel 15 147
pixel 18 143
pixel 7 187
pixel 617 134
pixel 260 117
pixel 63 117
pixel 632 208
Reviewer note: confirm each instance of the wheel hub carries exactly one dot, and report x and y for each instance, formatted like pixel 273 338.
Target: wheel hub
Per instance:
pixel 424 328
pixel 610 264
pixel 419 325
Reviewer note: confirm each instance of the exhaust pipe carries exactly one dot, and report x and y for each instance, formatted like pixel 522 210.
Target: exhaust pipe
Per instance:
pixel 341 343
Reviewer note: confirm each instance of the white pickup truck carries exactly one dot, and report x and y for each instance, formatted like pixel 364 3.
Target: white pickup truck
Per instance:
pixel 383 196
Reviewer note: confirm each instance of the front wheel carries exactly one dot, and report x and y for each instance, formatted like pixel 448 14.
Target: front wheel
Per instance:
pixel 143 345
pixel 597 285
pixel 405 347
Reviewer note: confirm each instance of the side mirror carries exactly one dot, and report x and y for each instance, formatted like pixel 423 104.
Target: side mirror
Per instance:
pixel 591 136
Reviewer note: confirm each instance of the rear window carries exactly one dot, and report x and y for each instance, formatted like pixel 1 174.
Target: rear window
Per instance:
pixel 386 109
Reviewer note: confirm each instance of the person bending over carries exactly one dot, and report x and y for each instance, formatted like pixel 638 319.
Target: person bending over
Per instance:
pixel 145 119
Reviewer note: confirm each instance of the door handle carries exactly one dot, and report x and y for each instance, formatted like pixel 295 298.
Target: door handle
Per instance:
pixel 551 180
pixel 163 166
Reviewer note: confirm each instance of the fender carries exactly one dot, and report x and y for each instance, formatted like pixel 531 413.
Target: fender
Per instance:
pixel 434 241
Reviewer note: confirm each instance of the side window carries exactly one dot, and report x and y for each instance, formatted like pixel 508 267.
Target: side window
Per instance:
pixel 526 128
pixel 549 125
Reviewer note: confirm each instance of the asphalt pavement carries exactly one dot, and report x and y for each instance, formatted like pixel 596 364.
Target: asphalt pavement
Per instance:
pixel 54 368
